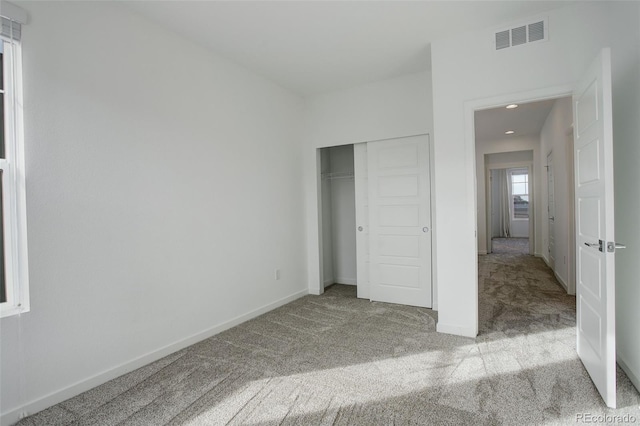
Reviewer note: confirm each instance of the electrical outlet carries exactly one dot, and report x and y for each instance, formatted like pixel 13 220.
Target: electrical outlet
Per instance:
pixel 276 274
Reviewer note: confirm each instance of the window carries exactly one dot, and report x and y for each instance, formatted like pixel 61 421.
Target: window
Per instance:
pixel 14 291
pixel 520 194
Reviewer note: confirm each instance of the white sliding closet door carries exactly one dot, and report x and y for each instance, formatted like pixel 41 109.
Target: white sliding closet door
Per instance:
pixel 361 175
pixel 399 231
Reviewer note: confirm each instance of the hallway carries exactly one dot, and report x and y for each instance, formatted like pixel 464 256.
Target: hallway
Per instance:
pixel 518 293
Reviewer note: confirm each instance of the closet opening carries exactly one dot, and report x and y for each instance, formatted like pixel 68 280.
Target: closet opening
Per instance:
pixel 338 216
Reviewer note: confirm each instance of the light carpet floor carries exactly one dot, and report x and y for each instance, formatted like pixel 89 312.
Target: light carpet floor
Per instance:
pixel 335 359
pixel 510 245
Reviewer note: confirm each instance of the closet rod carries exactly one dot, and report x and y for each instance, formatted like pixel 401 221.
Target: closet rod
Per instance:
pixel 338 175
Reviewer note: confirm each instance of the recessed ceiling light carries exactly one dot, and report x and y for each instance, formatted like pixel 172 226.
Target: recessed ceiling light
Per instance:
pixel 512 106
pixel 509 132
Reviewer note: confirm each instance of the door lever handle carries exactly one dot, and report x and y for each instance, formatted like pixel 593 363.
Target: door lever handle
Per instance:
pixel 611 247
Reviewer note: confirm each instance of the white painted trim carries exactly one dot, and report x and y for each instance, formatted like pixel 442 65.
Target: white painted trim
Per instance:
pixel 546 261
pixel 327 283
pixel 635 378
pixel 482 252
pixel 13 12
pixel 316 277
pixel 11 417
pixel 346 281
pixel 561 281
pixel 15 211
pixel 456 330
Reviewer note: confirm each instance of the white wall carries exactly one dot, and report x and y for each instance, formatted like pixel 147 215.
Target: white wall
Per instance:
pixel 504 153
pixel 466 70
pixel 164 186
pixel 343 216
pixel 386 109
pixel 553 138
pixel 626 135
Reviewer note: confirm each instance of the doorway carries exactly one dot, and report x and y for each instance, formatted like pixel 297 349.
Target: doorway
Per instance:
pixel 594 214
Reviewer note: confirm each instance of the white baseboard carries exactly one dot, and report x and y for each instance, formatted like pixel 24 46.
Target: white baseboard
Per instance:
pixel 482 252
pixel 32 407
pixel 456 330
pixel 561 281
pixel 635 378
pixel 346 281
pixel 544 258
pixel 315 291
pixel 327 283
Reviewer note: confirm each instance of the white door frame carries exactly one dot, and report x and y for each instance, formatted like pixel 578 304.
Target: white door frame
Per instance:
pixel 488 203
pixel 316 283
pixel 571 279
pixel 470 107
pixel 551 234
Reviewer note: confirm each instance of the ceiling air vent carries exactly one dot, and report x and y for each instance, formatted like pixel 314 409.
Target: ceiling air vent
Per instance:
pixel 536 31
pixel 518 36
pixel 521 34
pixel 502 40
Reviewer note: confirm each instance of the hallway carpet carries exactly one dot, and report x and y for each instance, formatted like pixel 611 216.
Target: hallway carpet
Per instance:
pixel 336 359
pixel 510 245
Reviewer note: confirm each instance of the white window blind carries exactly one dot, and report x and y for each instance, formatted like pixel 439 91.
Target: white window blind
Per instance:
pixel 11 29
pixel 13 17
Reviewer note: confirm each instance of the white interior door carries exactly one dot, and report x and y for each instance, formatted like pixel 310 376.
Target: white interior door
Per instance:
pixel 551 210
pixel 361 170
pixel 595 293
pixel 400 221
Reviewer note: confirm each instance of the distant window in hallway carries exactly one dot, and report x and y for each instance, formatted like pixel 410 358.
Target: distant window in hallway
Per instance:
pixel 520 194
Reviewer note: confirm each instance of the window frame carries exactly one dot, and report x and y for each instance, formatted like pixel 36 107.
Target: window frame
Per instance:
pixel 13 185
pixel 519 172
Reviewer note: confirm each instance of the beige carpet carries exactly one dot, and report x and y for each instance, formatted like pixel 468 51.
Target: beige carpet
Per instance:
pixel 335 359
pixel 510 245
